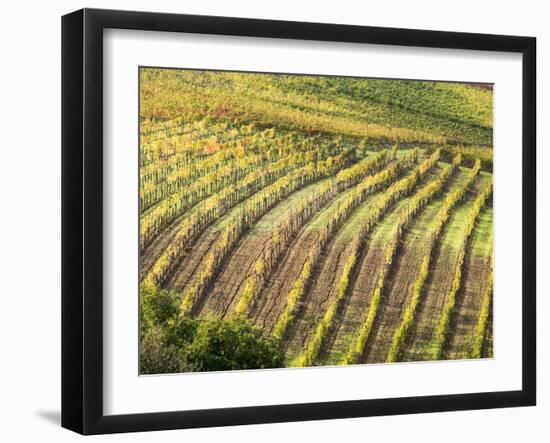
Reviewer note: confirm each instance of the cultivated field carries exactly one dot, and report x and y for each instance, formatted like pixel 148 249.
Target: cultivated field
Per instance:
pixel 300 220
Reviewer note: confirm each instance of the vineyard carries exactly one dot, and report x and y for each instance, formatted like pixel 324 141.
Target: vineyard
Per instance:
pixel 300 220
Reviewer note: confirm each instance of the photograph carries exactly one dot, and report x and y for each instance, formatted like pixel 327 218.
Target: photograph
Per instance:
pixel 293 220
pixel 255 222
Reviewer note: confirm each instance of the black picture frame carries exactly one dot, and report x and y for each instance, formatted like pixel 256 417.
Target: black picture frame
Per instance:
pixel 82 215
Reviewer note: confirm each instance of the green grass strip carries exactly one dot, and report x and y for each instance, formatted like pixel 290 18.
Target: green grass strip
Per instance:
pixel 379 207
pixel 442 331
pixel 441 218
pixel 419 200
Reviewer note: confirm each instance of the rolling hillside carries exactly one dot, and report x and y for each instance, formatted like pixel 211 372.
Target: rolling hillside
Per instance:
pixel 341 220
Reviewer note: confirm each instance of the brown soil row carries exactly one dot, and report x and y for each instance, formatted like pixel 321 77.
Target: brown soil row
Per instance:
pixel 152 253
pixel 318 297
pixel 231 280
pixel 436 289
pixel 187 272
pixel 266 310
pixel 357 304
pixel 396 298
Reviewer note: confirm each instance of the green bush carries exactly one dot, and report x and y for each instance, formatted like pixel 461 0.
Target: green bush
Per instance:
pixel 232 344
pixel 157 355
pixel 171 345
pixel 158 306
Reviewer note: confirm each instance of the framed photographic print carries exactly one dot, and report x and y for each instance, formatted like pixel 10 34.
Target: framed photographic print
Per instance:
pixel 270 221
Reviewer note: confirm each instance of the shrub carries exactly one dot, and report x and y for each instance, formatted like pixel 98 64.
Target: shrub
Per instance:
pixel 170 345
pixel 158 306
pixel 157 355
pixel 232 344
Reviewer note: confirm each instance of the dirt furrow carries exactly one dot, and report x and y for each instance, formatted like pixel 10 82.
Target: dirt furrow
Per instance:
pixel 153 251
pixel 231 280
pixel 267 309
pixel 185 271
pixel 360 292
pixel 318 297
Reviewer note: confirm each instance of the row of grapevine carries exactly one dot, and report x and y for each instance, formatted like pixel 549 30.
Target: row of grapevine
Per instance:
pixel 352 175
pixel 181 168
pixel 213 207
pixel 441 333
pixel 441 218
pixel 185 141
pixel 470 154
pixel 177 151
pixel 218 170
pixel 379 207
pixel 185 163
pixel 154 222
pixel 182 157
pixel 483 319
pixel 166 176
pixel 151 129
pixel 287 228
pixel 207 180
pixel 336 216
pixel 417 202
pixel 252 209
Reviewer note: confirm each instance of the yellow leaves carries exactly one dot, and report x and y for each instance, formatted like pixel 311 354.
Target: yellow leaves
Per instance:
pixel 259 267
pixel 314 345
pixel 187 303
pixel 293 297
pixel 442 216
pixel 362 168
pixel 248 293
pixel 483 319
pixel 240 151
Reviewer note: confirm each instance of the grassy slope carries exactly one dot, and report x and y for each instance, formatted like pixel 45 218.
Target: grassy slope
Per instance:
pixel 324 286
pixel 438 285
pixel 327 104
pixel 398 291
pixel 367 108
pixel 411 104
pixel 473 286
pixel 360 292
